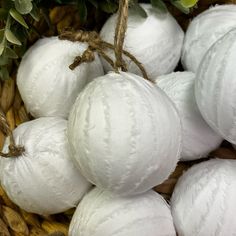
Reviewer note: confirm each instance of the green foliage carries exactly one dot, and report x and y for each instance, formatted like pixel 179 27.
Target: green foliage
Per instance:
pixel 13 35
pixel 188 3
pixel 18 17
pixel 136 8
pixel 159 4
pixel 83 11
pixel 15 30
pixel 23 6
pixel 111 6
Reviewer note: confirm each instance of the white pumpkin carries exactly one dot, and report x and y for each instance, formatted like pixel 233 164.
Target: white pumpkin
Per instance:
pixel 156 41
pixel 47 85
pixel 203 202
pixel 216 85
pixel 125 133
pixel 204 31
pixel 43 179
pixel 198 138
pixel 101 213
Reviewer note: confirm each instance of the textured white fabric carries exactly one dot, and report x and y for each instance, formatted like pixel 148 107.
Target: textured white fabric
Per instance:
pixel 125 133
pixel 47 86
pixel 204 31
pixel 156 41
pixel 198 138
pixel 43 179
pixel 203 202
pixel 215 87
pixel 103 214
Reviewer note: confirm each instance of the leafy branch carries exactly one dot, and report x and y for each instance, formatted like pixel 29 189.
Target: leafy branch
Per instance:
pixel 16 15
pixel 14 32
pixel 111 6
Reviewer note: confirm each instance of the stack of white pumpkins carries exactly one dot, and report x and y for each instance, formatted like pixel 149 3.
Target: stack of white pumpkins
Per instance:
pixel 125 134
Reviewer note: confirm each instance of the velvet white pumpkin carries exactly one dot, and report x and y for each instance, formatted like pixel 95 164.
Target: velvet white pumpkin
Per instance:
pixel 125 133
pixel 204 31
pixel 198 138
pixel 104 214
pixel 47 85
pixel 43 179
pixel 203 202
pixel 216 85
pixel 156 41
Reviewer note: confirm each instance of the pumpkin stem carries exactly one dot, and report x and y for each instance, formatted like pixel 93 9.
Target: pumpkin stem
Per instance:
pixel 95 43
pixel 14 150
pixel 121 27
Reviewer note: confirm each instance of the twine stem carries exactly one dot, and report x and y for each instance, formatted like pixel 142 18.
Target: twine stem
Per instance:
pixel 120 34
pixel 96 44
pixel 133 58
pixel 14 150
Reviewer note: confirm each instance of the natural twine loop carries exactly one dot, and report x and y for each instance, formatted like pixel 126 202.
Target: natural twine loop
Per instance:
pixel 120 31
pixel 96 44
pixel 92 38
pixel 14 150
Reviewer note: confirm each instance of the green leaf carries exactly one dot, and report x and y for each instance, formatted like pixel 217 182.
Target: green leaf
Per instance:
pixel 3 14
pixel 2 31
pixel 23 6
pixel 4 73
pixel 3 60
pixel 94 3
pixel 11 37
pixel 21 50
pixel 132 2
pixel 18 17
pixel 20 33
pixel 108 6
pixel 82 9
pixel 188 3
pixel 159 4
pixel 1 48
pixel 178 5
pixel 35 12
pixel 137 9
pixel 10 53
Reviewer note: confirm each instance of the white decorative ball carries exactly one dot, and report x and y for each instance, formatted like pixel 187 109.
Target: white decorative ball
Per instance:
pixel 43 179
pixel 198 138
pixel 203 202
pixel 47 85
pixel 125 133
pixel 156 41
pixel 216 85
pixel 101 213
pixel 204 31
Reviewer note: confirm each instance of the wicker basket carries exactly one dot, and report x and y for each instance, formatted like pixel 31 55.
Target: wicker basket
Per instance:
pixel 13 220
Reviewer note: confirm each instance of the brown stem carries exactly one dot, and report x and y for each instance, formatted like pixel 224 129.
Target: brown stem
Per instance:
pixel 88 56
pixel 97 44
pixel 120 34
pixel 14 150
pixel 79 36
